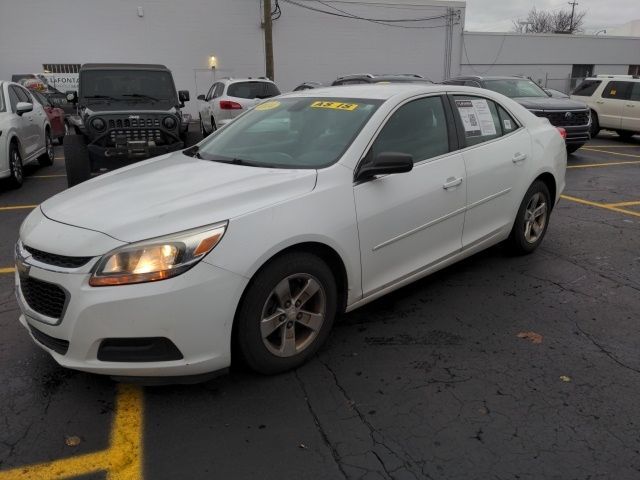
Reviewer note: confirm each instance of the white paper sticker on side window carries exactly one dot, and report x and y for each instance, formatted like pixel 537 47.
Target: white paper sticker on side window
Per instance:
pixel 507 124
pixel 476 118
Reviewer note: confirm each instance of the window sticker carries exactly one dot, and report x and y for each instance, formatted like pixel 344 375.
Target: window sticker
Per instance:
pixel 335 105
pixel 476 118
pixel 507 124
pixel 268 105
pixel 613 92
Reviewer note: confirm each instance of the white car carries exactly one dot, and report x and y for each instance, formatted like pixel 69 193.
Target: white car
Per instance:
pixel 614 101
pixel 229 97
pixel 25 133
pixel 310 204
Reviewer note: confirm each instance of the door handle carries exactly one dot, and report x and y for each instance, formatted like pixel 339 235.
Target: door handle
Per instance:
pixel 630 105
pixel 599 102
pixel 452 182
pixel 519 157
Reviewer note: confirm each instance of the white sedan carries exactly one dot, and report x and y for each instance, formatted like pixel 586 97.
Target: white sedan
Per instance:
pixel 309 204
pixel 25 133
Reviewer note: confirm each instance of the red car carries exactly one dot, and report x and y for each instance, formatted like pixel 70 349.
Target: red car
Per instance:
pixel 56 116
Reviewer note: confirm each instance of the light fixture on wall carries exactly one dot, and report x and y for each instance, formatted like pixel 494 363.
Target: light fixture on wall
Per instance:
pixel 140 12
pixel 213 62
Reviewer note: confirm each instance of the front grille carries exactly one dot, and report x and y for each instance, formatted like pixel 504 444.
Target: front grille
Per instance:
pixel 560 119
pixel 138 134
pixel 56 344
pixel 43 297
pixel 57 260
pixel 134 122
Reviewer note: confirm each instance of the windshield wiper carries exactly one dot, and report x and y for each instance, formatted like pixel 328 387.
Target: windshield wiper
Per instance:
pixel 104 97
pixel 241 161
pixel 141 95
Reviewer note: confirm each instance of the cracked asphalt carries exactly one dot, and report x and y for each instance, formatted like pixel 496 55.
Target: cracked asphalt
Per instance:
pixel 429 382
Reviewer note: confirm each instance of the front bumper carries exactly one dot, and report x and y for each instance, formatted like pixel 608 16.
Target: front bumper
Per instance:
pixel 111 158
pixel 578 134
pixel 194 311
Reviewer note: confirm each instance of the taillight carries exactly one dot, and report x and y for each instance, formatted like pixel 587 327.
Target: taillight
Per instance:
pixel 562 132
pixel 229 105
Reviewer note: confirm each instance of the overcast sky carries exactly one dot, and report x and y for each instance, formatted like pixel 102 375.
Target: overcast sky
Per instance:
pixel 496 15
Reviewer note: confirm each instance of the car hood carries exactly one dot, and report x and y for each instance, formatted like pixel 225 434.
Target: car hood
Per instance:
pixel 173 193
pixel 548 103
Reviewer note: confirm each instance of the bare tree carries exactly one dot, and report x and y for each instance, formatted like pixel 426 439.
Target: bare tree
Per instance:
pixel 540 21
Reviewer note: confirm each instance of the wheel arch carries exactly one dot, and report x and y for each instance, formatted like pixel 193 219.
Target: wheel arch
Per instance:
pixel 550 181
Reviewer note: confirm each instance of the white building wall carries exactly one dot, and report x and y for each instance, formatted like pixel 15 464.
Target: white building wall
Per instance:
pixel 183 35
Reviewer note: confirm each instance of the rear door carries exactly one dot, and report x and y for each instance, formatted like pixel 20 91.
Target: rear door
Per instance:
pixel 631 110
pixel 409 221
pixel 611 105
pixel 496 154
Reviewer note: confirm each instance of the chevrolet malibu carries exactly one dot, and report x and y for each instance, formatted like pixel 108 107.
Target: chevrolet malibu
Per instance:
pixel 308 205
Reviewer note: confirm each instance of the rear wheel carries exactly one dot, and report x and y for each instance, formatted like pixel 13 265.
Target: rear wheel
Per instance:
pixel 214 127
pixel 287 313
pixel 203 130
pixel 16 177
pixel 46 159
pixel 532 219
pixel 76 160
pixel 595 125
pixel 625 134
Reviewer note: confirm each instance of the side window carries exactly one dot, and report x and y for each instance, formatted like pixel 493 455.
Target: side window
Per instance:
pixel 618 90
pixel 210 92
pixel 480 119
pixel 418 128
pixel 507 122
pixel 218 91
pixel 23 95
pixel 586 88
pixel 13 98
pixel 635 92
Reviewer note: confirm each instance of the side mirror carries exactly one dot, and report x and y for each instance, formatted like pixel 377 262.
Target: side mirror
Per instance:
pixel 201 97
pixel 72 96
pixel 385 163
pixel 183 95
pixel 23 107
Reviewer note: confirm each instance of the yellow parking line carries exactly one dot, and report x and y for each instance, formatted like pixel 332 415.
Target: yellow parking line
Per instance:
pixel 18 207
pixel 624 204
pixel 7 270
pixel 599 205
pixel 607 164
pixel 613 146
pixel 612 153
pixel 46 176
pixel 122 460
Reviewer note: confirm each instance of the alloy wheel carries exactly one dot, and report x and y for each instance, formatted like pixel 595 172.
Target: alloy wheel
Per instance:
pixel 16 165
pixel 535 218
pixel 50 151
pixel 293 315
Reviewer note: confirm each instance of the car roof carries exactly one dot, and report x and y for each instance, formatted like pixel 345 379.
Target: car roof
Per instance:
pixel 123 66
pixel 489 77
pixel 247 79
pixel 384 91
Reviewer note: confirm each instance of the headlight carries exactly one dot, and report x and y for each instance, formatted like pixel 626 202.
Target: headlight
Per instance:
pixel 158 258
pixel 169 123
pixel 98 124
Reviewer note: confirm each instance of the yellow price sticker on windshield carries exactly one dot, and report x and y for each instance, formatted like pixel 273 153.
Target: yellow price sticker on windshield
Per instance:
pixel 335 105
pixel 268 105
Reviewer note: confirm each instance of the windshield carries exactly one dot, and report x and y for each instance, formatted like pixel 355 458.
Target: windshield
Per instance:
pixel 127 85
pixel 514 88
pixel 296 132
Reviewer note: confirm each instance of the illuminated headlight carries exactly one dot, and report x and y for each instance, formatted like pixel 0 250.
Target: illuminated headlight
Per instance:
pixel 156 259
pixel 169 123
pixel 98 124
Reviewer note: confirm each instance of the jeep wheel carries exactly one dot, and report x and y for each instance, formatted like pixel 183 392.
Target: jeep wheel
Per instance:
pixel 46 159
pixel 76 160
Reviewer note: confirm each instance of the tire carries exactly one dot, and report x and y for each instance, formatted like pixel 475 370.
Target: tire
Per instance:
pixel 203 130
pixel 520 242
pixel 595 125
pixel 214 127
pixel 291 342
pixel 66 132
pixel 572 148
pixel 46 159
pixel 625 134
pixel 16 171
pixel 76 160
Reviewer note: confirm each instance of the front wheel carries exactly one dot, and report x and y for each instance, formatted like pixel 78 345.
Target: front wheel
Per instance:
pixel 76 160
pixel 532 219
pixel 287 313
pixel 46 159
pixel 595 125
pixel 16 173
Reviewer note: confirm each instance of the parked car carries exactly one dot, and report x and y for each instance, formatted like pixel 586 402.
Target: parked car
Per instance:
pixel 25 133
pixel 229 97
pixel 38 82
pixel 363 78
pixel 310 86
pixel 56 116
pixel 310 204
pixel 571 115
pixel 614 101
pixel 125 113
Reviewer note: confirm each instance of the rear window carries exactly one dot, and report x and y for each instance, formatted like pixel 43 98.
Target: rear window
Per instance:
pixel 586 88
pixel 618 90
pixel 251 90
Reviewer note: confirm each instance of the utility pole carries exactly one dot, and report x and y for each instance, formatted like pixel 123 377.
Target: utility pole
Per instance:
pixel 268 39
pixel 573 8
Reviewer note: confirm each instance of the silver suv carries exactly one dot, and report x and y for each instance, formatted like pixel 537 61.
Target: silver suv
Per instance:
pixel 229 97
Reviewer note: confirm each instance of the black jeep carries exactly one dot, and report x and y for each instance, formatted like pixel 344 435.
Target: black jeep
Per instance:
pixel 124 113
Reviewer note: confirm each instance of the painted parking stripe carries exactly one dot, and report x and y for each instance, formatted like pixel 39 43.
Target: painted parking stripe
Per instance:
pixel 613 146
pixel 589 149
pixel 122 460
pixel 605 206
pixel 606 164
pixel 7 270
pixel 18 207
pixel 624 204
pixel 46 176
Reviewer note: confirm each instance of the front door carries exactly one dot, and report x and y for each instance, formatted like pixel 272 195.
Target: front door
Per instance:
pixel 611 105
pixel 411 220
